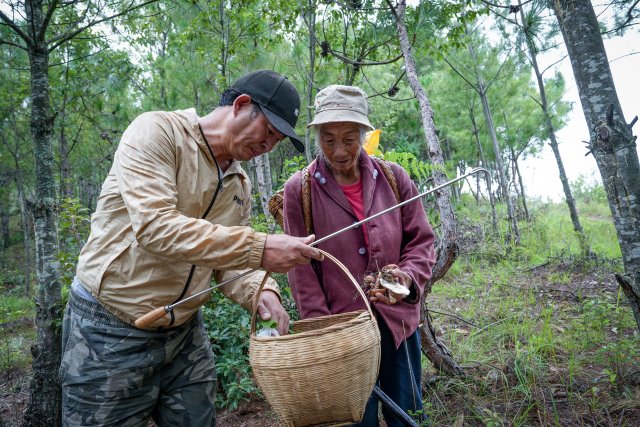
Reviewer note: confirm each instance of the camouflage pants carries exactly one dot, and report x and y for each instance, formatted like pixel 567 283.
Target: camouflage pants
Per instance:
pixel 113 374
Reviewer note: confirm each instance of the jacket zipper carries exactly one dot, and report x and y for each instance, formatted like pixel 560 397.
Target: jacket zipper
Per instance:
pixel 215 195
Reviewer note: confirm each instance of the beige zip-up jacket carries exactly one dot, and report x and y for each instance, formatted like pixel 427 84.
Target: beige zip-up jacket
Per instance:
pixel 148 230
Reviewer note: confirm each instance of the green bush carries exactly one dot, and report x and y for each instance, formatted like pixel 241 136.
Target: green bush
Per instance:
pixel 228 326
pixel 74 225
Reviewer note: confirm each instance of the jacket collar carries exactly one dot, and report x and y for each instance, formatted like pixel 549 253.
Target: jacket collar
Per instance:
pixel 191 119
pixel 323 180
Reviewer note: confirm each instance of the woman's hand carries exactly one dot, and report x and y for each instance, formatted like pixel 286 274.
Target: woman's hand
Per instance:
pixel 380 295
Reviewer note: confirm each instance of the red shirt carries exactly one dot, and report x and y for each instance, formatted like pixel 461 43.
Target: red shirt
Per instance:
pixel 353 192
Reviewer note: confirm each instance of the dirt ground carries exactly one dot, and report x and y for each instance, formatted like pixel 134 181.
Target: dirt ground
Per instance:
pixel 256 413
pixel 14 385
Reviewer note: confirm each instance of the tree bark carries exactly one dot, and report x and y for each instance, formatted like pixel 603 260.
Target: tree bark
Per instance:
pixel 612 142
pixel 447 248
pixel 44 401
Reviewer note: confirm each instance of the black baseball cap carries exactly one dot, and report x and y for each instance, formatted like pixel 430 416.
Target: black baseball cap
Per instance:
pixel 278 99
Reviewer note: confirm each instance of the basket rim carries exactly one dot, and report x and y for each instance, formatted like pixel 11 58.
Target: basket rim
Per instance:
pixel 332 328
pixel 254 306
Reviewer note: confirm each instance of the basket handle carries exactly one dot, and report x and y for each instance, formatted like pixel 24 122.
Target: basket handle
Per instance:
pixel 254 308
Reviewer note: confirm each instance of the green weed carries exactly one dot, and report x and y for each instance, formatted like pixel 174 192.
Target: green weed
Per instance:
pixel 553 341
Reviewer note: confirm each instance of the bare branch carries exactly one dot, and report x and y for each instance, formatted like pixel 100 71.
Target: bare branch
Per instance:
pixel 12 44
pixel 64 37
pixel 495 77
pixel 359 63
pixel 536 101
pixel 510 7
pixel 47 18
pixel 24 36
pixel 455 70
pixel 624 56
pixel 630 16
pixel 559 60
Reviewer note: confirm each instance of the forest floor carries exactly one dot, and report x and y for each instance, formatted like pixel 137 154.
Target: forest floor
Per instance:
pixel 542 332
pixel 507 381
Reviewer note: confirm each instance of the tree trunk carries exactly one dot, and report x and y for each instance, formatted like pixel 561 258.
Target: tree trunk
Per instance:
pixel 553 142
pixel 612 142
pixel 65 168
pixel 518 184
pixel 264 190
pixel 44 400
pixel 487 177
pixel 6 235
pixel 447 249
pixel 524 195
pixel 310 19
pixel 486 109
pixel 162 70
pixel 224 33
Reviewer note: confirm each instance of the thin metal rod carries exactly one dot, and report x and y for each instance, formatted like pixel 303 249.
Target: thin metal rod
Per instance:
pixel 399 205
pixel 169 307
pixel 402 416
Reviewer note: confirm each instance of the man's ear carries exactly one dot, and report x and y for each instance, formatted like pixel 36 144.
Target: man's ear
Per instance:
pixel 241 102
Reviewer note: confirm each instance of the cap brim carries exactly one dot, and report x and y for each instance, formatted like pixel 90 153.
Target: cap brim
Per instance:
pixel 283 127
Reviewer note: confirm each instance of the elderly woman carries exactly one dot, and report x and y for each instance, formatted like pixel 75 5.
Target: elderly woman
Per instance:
pixel 345 186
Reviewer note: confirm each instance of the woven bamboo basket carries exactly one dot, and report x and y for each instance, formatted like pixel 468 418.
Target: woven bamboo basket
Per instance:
pixel 323 373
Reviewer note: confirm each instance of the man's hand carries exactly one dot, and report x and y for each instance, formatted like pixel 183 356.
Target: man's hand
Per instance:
pixel 269 307
pixel 283 252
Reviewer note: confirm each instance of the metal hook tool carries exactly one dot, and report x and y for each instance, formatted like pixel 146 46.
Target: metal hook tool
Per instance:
pixel 157 313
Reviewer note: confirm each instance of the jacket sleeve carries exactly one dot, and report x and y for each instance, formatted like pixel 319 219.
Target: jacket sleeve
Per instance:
pixel 417 254
pixel 305 286
pixel 243 291
pixel 145 167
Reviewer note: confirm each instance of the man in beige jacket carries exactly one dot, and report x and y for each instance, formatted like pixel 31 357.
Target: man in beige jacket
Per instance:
pixel 173 212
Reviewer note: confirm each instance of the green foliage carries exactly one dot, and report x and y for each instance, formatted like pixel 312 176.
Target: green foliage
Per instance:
pixel 14 307
pixel 588 193
pixel 290 167
pixel 547 326
pixel 228 325
pixel 14 346
pixel 16 331
pixel 418 170
pixel 74 225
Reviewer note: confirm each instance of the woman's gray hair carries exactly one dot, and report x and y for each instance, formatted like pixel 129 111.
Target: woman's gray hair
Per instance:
pixel 318 150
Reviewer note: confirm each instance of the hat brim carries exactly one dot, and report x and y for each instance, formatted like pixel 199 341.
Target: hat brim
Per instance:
pixel 340 116
pixel 283 127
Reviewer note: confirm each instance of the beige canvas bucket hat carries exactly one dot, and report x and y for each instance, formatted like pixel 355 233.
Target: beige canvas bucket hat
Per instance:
pixel 337 103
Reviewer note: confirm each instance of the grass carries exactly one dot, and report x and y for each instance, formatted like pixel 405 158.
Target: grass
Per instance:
pixel 542 332
pixel 16 330
pixel 553 340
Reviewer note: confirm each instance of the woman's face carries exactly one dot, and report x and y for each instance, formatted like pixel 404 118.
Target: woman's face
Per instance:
pixel 340 144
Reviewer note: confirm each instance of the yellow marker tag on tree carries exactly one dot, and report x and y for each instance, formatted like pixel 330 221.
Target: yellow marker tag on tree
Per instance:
pixel 371 142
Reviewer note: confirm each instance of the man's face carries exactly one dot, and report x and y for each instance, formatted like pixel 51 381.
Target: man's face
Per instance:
pixel 254 135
